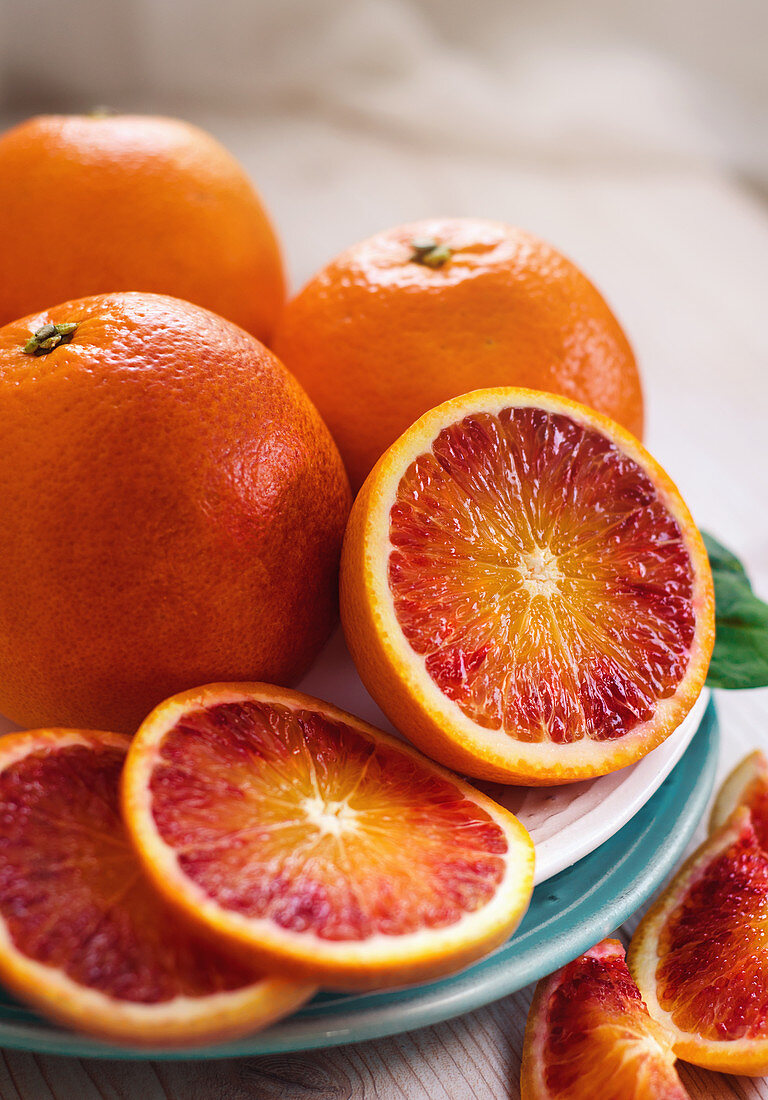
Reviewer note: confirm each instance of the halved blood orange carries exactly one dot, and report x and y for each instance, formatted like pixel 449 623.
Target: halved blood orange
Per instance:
pixel 700 955
pixel 83 936
pixel 524 591
pixel 317 845
pixel 747 785
pixel 589 1036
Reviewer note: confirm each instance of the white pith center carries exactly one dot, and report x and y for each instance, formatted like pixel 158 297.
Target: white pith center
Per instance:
pixel 540 573
pixel 331 818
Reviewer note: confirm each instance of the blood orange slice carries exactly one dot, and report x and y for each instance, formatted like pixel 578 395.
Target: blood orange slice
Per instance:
pixel 589 1036
pixel 83 937
pixel 747 785
pixel 317 845
pixel 524 591
pixel 700 955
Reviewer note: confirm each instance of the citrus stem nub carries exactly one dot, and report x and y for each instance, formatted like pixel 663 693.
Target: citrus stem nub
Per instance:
pixel 430 252
pixel 49 337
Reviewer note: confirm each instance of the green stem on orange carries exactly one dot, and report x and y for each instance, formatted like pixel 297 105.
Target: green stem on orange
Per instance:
pixel 49 337
pixel 429 252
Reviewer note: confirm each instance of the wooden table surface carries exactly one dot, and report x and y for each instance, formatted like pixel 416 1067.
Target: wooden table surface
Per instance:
pixel 682 253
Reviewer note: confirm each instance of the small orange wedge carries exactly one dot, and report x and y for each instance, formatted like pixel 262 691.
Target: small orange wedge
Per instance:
pixel 316 845
pixel 747 785
pixel 83 936
pixel 589 1036
pixel 700 955
pixel 524 592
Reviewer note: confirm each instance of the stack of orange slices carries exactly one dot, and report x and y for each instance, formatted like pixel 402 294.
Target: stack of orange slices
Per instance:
pixel 83 937
pixel 263 833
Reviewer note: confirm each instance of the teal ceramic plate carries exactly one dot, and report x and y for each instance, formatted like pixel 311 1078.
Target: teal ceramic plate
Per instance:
pixel 568 913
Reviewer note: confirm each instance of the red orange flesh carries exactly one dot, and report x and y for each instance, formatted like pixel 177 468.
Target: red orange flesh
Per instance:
pixel 700 956
pixel 319 845
pixel 589 1036
pixel 524 591
pixel 527 503
pixel 83 935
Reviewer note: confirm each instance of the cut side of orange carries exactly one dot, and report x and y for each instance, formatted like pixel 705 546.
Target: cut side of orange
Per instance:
pixel 316 845
pixel 700 955
pixel 524 591
pixel 83 936
pixel 747 785
pixel 589 1036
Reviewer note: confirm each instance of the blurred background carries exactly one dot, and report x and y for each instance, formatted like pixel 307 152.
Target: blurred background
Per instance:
pixel 632 135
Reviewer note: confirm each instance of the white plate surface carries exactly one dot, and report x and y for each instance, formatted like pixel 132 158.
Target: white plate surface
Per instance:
pixel 566 823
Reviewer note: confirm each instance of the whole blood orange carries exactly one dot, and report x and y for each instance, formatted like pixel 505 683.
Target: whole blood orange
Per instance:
pixel 83 936
pixel 700 955
pixel 133 203
pixel 393 327
pixel 747 785
pixel 524 592
pixel 317 846
pixel 173 508
pixel 589 1036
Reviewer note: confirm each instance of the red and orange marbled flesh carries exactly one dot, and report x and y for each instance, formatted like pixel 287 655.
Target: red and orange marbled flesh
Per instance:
pixel 712 975
pixel 541 578
pixel 249 795
pixel 601 1044
pixel 71 892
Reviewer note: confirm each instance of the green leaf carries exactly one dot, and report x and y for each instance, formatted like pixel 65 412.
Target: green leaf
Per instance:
pixel 740 658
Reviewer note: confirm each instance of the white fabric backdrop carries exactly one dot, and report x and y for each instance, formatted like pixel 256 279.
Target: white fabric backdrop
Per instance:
pixel 552 79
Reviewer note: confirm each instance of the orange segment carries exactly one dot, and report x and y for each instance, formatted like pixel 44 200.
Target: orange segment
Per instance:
pixel 700 956
pixel 747 785
pixel 524 591
pixel 317 845
pixel 83 936
pixel 589 1036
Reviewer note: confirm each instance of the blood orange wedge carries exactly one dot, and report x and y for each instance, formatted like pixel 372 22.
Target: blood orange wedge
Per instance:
pixel 317 845
pixel 747 785
pixel 524 591
pixel 700 955
pixel 589 1036
pixel 83 937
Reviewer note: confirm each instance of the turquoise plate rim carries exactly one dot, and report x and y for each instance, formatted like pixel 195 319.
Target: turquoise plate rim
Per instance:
pixel 623 872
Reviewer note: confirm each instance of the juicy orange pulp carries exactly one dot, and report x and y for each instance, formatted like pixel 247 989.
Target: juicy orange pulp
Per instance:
pixel 288 815
pixel 541 577
pixel 712 972
pixel 591 1037
pixel 71 891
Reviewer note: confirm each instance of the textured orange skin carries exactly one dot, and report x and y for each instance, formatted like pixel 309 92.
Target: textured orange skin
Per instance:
pixel 173 509
pixel 93 205
pixel 377 340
